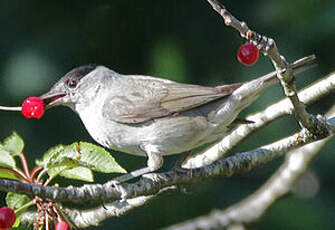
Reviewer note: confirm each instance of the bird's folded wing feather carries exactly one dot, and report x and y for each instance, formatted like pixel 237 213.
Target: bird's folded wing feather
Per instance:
pixel 140 98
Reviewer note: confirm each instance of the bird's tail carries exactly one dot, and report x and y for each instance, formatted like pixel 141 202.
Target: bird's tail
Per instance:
pixel 298 66
pixel 248 92
pixel 303 64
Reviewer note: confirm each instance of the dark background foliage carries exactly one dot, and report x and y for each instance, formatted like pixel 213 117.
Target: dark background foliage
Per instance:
pixel 183 40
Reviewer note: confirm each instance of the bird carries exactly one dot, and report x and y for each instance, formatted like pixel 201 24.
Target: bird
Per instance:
pixel 150 116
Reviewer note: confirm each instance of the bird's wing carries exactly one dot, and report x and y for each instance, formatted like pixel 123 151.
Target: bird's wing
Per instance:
pixel 137 99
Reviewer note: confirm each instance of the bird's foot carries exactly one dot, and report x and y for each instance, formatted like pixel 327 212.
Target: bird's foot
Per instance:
pixel 118 186
pixel 132 175
pixel 178 165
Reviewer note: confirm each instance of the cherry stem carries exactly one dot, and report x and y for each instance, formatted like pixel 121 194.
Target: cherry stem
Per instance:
pixel 5 108
pixel 59 216
pixel 24 164
pixel 26 205
pixel 39 177
pixel 46 221
pixel 34 171
pixel 48 181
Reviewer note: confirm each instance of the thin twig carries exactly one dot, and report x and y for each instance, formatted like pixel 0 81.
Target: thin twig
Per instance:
pixel 284 72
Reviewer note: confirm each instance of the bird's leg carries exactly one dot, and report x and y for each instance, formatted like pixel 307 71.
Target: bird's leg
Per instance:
pixel 155 161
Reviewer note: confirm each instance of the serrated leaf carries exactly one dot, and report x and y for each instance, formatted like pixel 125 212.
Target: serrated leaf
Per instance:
pixel 98 159
pixel 61 156
pixel 79 154
pixel 13 144
pixel 6 159
pixel 49 155
pixel 76 161
pixel 78 173
pixel 8 175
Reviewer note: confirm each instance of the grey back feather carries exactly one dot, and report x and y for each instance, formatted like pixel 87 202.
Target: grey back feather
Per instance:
pixel 142 98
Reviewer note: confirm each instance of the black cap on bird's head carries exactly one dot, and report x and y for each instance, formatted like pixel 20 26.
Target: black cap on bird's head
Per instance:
pixel 59 93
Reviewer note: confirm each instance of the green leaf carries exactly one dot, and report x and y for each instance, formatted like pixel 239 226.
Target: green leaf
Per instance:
pixel 72 172
pixel 49 156
pixel 79 173
pixel 6 159
pixel 15 200
pixel 13 144
pixel 76 161
pixel 98 159
pixel 8 175
pixel 80 154
pixel 55 171
pixel 56 161
pixel 60 156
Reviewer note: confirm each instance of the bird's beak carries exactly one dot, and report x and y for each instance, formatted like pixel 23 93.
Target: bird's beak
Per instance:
pixel 52 98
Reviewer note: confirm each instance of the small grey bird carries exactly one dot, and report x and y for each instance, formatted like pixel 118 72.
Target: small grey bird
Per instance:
pixel 152 117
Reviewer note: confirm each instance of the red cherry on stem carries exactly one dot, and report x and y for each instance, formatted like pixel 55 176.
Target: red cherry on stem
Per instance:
pixel 7 217
pixel 33 107
pixel 248 54
pixel 63 225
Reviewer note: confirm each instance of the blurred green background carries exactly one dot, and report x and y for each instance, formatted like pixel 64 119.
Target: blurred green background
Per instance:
pixel 182 40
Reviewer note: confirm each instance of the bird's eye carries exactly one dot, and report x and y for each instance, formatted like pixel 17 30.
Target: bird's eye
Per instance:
pixel 71 83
